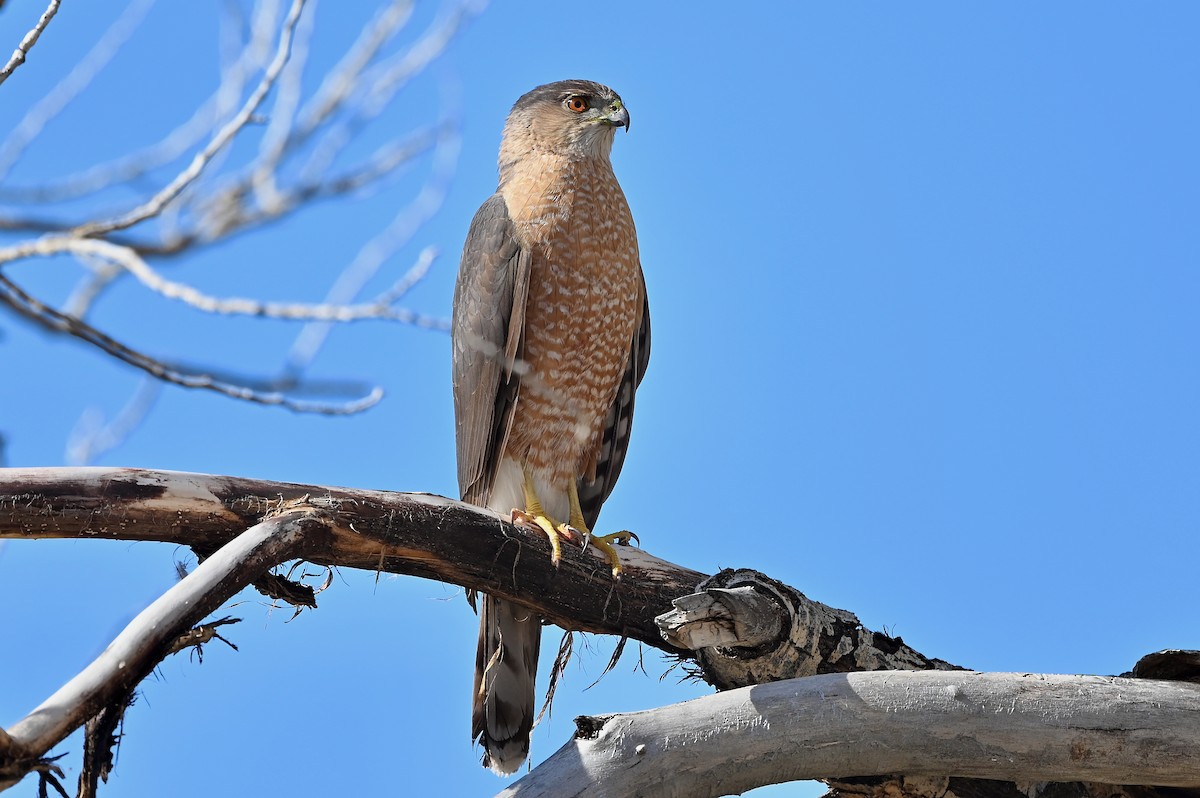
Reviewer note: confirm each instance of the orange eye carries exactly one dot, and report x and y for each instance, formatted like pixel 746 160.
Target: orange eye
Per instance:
pixel 577 104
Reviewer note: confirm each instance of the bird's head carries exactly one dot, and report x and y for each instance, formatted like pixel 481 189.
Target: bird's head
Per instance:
pixel 571 117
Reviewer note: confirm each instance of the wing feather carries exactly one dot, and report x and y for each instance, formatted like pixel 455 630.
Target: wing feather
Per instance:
pixel 487 333
pixel 618 424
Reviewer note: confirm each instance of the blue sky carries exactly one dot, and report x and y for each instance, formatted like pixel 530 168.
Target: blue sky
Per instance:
pixel 924 281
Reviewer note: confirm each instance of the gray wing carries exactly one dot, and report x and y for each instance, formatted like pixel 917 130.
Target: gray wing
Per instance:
pixel 488 318
pixel 618 424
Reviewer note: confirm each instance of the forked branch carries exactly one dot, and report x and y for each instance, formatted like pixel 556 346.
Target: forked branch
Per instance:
pixel 930 723
pixel 152 635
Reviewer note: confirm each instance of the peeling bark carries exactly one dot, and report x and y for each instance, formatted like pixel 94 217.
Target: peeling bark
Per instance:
pixel 742 627
pixel 1026 729
pixel 751 629
pixel 416 534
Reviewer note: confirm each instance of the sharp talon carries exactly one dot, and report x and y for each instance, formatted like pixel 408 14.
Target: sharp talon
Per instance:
pixel 575 529
pixel 572 534
pixel 624 536
pixel 541 523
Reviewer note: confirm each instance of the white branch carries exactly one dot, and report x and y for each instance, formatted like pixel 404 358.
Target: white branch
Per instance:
pixel 129 260
pixel 93 435
pixel 372 255
pixel 155 204
pixel 30 39
pixel 282 116
pixel 131 166
pixel 40 313
pixel 69 88
pixel 140 646
pixel 1013 727
pixel 341 81
pixel 382 83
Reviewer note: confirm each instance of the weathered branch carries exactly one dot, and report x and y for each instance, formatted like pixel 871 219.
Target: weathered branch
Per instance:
pixel 153 206
pixel 955 724
pixel 746 628
pixel 404 533
pixel 28 41
pixel 437 538
pixel 1024 728
pixel 135 652
pixel 32 308
pixel 216 194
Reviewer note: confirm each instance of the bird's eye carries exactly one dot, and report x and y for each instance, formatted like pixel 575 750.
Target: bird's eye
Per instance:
pixel 577 104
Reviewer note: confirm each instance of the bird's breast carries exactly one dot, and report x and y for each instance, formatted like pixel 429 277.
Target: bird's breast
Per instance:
pixel 583 307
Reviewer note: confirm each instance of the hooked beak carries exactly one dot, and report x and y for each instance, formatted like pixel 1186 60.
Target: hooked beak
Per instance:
pixel 619 117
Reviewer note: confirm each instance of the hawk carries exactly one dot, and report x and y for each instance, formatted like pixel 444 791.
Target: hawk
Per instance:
pixel 551 337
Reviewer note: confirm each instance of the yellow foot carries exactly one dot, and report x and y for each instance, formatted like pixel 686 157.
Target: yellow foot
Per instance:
pixel 548 525
pixel 605 544
pixel 575 531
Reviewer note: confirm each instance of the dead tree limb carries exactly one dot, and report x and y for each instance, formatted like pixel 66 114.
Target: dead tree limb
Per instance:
pixel 745 628
pixel 28 41
pixel 433 537
pixel 404 533
pixel 193 189
pixel 138 649
pixel 1024 728
pixel 741 626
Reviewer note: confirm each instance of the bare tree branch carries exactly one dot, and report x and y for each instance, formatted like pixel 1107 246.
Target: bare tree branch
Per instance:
pixel 371 256
pixel 129 260
pixel 135 165
pixel 79 78
pixel 199 205
pixel 152 634
pixel 155 204
pixel 341 81
pixel 42 314
pixel 927 726
pixel 92 437
pixel 412 534
pixel 28 41
pixel 1025 728
pixel 382 83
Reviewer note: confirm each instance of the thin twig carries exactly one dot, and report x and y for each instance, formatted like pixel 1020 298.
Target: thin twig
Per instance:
pixel 92 437
pixel 343 79
pixel 281 119
pixel 155 204
pixel 27 43
pixel 383 82
pixel 129 260
pixel 137 164
pixel 35 310
pixel 69 88
pixel 376 251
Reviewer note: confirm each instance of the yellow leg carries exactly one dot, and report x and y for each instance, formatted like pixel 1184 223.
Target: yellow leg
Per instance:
pixel 535 513
pixel 602 542
pixel 575 529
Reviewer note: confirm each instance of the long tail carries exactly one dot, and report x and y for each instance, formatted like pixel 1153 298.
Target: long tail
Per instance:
pixel 505 671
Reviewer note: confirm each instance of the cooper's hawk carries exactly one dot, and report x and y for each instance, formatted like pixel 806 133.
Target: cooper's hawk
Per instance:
pixel 551 338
